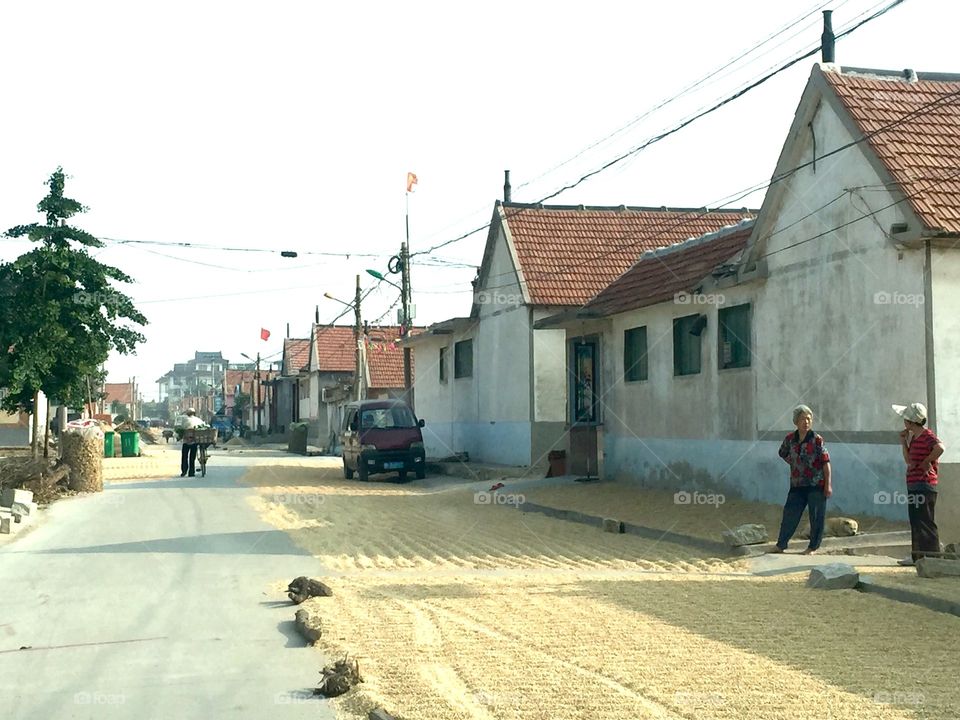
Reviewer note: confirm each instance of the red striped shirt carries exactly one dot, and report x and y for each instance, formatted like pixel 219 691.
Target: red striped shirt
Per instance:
pixel 921 446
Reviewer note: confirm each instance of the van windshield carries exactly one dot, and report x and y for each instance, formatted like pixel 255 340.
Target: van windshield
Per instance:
pixel 399 416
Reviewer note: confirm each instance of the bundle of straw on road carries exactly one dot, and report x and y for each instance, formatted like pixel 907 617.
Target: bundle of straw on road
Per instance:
pixel 83 452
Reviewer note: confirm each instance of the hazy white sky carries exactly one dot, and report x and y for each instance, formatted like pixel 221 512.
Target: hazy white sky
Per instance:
pixel 292 125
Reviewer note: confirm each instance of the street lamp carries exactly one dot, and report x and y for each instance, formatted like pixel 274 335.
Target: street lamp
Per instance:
pixel 379 276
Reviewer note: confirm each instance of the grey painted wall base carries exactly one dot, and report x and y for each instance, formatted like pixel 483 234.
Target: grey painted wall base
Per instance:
pixel 628 528
pixel 867 479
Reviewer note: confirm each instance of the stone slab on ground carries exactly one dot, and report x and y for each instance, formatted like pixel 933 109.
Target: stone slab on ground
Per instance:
pixel 19 508
pixel 9 496
pixel 749 534
pixel 868 584
pixel 611 525
pixel 931 567
pixel 9 524
pixel 833 576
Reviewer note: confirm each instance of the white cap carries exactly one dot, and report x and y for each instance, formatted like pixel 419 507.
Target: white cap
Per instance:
pixel 914 412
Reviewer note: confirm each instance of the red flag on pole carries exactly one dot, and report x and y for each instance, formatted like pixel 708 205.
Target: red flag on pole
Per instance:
pixel 411 181
pixel 264 334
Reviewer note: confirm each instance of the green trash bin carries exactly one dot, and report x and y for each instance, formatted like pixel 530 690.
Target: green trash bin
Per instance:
pixel 297 441
pixel 130 444
pixel 108 443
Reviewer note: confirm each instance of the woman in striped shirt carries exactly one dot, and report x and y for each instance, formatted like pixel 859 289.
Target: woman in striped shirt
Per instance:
pixel 921 449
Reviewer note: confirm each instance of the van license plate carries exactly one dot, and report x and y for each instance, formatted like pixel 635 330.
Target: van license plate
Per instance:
pixel 393 466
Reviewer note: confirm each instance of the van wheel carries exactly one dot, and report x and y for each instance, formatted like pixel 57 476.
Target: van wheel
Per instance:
pixel 362 473
pixel 347 472
pixel 421 473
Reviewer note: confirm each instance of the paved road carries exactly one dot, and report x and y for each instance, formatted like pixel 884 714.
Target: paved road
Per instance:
pixel 155 600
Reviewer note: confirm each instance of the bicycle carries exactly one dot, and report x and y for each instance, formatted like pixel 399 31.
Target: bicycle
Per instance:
pixel 203 438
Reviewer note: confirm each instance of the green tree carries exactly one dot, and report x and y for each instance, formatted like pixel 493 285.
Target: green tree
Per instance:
pixel 65 315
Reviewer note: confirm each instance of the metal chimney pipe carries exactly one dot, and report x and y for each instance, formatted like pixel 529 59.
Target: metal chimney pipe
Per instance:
pixel 827 39
pixel 316 315
pixel 506 186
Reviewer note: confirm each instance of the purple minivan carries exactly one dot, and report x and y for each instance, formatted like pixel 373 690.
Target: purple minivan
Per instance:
pixel 382 436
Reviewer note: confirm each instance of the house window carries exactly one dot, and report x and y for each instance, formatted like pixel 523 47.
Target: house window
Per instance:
pixel 686 344
pixel 463 359
pixel 443 364
pixel 734 336
pixel 635 354
pixel 584 381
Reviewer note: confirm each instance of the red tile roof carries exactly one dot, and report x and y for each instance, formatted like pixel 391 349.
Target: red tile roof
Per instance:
pixel 335 348
pixel 660 275
pixel 922 152
pixel 568 254
pixel 121 392
pixel 296 354
pixel 385 357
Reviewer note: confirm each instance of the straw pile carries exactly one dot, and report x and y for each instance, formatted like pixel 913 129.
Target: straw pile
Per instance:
pixel 83 452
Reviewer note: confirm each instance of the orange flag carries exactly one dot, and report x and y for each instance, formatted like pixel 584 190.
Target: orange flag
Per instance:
pixel 411 181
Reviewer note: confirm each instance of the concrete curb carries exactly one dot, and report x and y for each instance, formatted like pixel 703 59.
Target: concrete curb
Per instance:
pixel 950 607
pixel 885 540
pixel 628 528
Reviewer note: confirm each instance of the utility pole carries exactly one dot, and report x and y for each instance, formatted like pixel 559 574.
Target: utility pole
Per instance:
pixel 259 402
pixel 405 320
pixel 357 336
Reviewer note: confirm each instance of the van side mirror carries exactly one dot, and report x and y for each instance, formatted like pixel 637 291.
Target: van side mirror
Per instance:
pixel 420 422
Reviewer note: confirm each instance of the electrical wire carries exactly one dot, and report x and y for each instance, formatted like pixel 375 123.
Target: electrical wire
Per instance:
pixel 676 128
pixel 687 218
pixel 682 93
pixel 662 104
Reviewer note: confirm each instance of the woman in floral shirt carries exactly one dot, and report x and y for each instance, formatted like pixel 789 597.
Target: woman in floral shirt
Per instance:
pixel 810 486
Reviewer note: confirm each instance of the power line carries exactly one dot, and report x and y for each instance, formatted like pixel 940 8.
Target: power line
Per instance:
pixel 684 92
pixel 220 248
pixel 667 133
pixel 686 218
pixel 678 95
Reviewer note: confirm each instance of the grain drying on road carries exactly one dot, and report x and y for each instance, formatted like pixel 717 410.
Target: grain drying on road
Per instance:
pixel 463 611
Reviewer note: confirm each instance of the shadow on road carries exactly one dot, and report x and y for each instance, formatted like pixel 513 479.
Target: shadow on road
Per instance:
pixel 254 542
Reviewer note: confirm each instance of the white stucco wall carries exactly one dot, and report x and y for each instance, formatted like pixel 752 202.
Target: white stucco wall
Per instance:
pixel 945 281
pixel 840 317
pixel 837 324
pixel 549 372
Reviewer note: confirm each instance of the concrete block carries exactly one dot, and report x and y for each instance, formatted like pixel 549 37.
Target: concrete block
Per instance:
pixel 834 576
pixel 931 567
pixel 8 524
pixel 9 496
pixel 745 535
pixel 19 508
pixel 612 526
